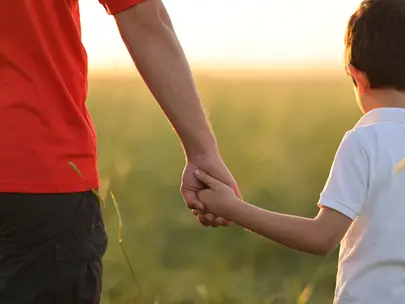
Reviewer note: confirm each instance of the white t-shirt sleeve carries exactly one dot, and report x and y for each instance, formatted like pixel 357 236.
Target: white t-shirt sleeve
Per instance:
pixel 347 185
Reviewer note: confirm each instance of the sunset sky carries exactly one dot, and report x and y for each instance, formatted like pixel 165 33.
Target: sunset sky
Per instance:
pixel 225 33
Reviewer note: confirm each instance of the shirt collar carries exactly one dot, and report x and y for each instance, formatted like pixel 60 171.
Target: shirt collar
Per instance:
pixel 382 114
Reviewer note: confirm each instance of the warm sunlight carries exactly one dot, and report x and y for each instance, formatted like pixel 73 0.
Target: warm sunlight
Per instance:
pixel 233 32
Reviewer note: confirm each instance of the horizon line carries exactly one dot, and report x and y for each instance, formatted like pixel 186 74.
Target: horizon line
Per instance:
pixel 241 68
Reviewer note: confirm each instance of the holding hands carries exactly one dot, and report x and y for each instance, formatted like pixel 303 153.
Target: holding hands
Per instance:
pixel 218 198
pixel 196 187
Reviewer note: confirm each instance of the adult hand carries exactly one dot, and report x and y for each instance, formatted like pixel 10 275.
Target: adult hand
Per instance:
pixel 213 165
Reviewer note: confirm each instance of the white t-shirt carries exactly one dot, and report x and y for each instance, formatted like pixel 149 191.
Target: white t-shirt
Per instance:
pixel 363 186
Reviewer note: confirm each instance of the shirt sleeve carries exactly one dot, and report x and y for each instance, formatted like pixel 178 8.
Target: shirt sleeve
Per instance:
pixel 115 6
pixel 347 185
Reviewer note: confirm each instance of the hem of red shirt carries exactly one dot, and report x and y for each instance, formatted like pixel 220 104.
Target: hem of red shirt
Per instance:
pixel 119 6
pixel 48 188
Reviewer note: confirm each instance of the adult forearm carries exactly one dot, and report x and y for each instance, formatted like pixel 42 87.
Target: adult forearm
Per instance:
pixel 298 233
pixel 160 60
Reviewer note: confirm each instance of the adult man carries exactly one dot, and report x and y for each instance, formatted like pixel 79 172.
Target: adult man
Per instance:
pixel 52 235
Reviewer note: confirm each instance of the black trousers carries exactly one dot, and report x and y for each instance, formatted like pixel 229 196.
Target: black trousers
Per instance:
pixel 51 246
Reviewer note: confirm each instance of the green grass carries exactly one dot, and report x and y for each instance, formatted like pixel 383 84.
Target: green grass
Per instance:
pixel 278 135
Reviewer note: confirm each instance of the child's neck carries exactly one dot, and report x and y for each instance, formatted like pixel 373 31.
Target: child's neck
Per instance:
pixel 385 98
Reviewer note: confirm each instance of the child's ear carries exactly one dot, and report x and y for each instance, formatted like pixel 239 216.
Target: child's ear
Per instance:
pixel 360 79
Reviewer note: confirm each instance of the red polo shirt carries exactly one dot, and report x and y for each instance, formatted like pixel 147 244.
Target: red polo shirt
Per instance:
pixel 44 122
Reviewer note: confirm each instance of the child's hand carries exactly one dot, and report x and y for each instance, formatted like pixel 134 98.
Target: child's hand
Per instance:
pixel 218 198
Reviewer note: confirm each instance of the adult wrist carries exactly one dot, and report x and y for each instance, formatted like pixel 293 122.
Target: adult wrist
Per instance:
pixel 197 153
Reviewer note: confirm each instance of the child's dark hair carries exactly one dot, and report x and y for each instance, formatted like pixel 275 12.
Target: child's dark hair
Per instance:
pixel 375 42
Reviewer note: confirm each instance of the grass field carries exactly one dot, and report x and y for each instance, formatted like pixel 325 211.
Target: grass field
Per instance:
pixel 278 134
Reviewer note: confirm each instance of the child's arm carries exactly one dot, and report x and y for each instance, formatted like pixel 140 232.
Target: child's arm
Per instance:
pixel 345 191
pixel 317 236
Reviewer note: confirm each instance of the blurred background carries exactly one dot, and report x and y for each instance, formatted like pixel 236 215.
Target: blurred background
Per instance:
pixel 271 75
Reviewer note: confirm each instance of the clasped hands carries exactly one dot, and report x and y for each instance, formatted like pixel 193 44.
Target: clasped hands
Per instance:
pixel 209 190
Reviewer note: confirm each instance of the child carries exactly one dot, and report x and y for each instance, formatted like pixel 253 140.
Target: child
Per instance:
pixel 363 203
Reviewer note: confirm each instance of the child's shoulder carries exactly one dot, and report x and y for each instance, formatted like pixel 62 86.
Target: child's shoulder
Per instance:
pixel 376 131
pixel 358 135
pixel 360 139
pixel 378 140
